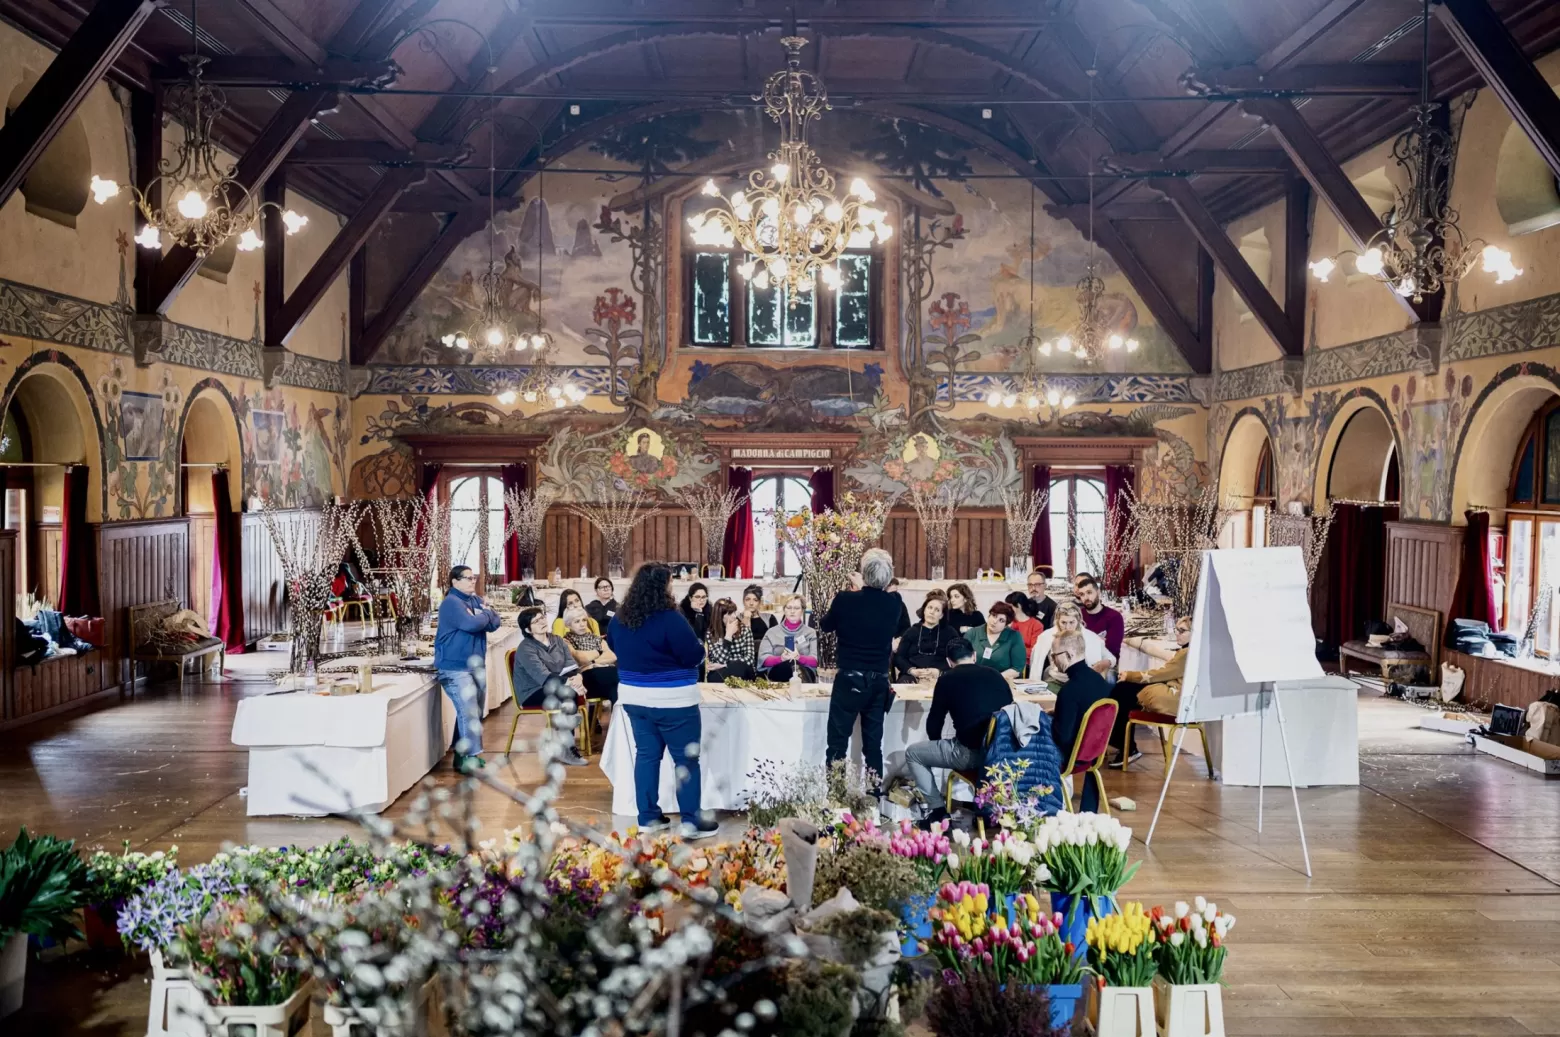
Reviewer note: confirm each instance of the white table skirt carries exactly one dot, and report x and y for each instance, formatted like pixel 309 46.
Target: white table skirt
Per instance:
pixel 315 754
pixel 499 641
pixel 776 591
pixel 736 736
pixel 1322 723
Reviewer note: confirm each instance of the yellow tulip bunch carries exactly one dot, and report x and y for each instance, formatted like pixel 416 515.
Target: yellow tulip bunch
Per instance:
pixel 1122 947
pixel 964 905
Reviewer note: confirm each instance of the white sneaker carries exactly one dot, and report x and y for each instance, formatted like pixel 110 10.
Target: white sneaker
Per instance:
pixel 693 833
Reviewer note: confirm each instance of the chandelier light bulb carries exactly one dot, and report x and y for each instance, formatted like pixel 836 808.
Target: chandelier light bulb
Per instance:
pixel 1405 287
pixel 1009 400
pixel 1497 261
pixel 995 398
pixel 530 396
pixel 802 215
pixel 1322 269
pixel 1045 348
pixel 538 341
pixel 249 241
pixel 147 237
pixel 1033 402
pixel 448 340
pixel 192 206
pixel 771 207
pixel 761 282
pixel 462 342
pixel 103 190
pixel 781 171
pixel 506 397
pixel 519 344
pixel 1116 341
pixel 861 237
pixel 1069 400
pixel 697 220
pixel 1132 345
pixel 745 269
pixel 554 392
pixel 1053 397
pixel 885 231
pixel 738 199
pixel 834 212
pixel 494 336
pixel 831 276
pixel 710 189
pixel 779 267
pixel 1064 344
pixel 1369 262
pixel 294 221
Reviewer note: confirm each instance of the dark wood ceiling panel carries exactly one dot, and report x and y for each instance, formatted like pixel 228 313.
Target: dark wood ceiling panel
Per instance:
pixel 702 59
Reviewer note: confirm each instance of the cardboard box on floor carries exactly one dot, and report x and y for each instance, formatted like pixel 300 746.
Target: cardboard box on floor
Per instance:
pixel 1524 752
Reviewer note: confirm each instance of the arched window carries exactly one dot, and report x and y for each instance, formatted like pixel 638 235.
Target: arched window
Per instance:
pixel 773 497
pixel 1077 524
pixel 1531 553
pixel 16 447
pixel 473 498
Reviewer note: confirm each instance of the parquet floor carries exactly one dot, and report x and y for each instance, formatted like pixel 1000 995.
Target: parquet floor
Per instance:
pixel 1435 906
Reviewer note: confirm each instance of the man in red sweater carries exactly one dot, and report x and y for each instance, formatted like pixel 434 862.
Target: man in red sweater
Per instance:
pixel 1104 621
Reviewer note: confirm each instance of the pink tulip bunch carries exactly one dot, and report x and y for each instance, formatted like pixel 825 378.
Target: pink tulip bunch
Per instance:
pixel 1027 948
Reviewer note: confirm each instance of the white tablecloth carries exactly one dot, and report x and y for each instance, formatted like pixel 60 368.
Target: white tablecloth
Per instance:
pixel 313 754
pixel 776 591
pixel 736 736
pixel 1322 723
pixel 499 641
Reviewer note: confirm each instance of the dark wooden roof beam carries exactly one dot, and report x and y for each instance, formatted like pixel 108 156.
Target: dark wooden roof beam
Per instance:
pixel 1487 43
pixel 1117 211
pixel 337 255
pixel 433 200
pixel 241 71
pixel 376 153
pixel 75 70
pixel 1371 78
pixel 461 226
pixel 1233 265
pixel 1327 178
pixel 1253 162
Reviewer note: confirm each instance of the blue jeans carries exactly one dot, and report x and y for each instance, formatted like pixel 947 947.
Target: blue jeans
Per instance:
pixel 657 731
pixel 467 689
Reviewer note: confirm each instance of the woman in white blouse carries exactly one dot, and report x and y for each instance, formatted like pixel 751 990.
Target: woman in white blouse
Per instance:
pixel 1069 619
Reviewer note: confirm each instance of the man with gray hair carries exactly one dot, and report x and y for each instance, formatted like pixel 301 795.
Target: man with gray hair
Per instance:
pixel 865 620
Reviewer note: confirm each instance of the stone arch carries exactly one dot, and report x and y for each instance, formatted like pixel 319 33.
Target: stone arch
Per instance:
pixel 64 418
pixel 1357 405
pixel 1243 443
pixel 59 184
pixel 1487 444
pixel 222 418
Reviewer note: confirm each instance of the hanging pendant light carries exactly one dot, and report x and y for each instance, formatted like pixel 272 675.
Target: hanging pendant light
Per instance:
pixel 491 336
pixel 1420 248
pixel 198 202
pixel 1031 392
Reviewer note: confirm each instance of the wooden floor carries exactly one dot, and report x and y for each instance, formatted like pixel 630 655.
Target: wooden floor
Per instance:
pixel 1435 906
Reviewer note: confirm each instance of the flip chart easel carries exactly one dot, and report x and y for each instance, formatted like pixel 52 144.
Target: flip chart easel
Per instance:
pixel 1251 630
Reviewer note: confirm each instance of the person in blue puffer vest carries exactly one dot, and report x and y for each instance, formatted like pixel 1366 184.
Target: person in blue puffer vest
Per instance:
pixel 460 657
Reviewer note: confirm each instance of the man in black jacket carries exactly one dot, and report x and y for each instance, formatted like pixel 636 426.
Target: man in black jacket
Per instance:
pixel 1083 688
pixel 971 695
pixel 865 621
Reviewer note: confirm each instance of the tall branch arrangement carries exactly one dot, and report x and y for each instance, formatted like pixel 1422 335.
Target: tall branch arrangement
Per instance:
pixel 829 547
pixel 310 553
pixel 413 536
pixel 1023 508
pixel 524 513
pixel 713 508
pixel 1109 553
pixel 1307 532
pixel 1180 532
pixel 935 508
pixel 615 515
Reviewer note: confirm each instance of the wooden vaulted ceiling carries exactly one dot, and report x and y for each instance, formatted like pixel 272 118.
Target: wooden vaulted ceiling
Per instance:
pixel 1206 109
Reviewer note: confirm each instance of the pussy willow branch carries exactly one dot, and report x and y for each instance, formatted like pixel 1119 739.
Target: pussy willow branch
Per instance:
pixel 936 509
pixel 713 508
pixel 1023 508
pixel 615 515
pixel 527 511
pixel 1307 532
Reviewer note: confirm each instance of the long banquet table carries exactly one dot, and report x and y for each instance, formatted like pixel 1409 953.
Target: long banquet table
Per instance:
pixel 740 730
pixel 313 754
pixel 776 591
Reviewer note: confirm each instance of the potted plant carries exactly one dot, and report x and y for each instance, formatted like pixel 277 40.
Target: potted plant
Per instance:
pixel 112 879
pixel 151 920
pixel 1122 955
pixel 927 851
pixel 1085 859
pixel 252 981
pixel 42 884
pixel 1188 1001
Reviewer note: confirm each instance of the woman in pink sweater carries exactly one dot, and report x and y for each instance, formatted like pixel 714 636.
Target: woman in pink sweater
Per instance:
pixel 789 644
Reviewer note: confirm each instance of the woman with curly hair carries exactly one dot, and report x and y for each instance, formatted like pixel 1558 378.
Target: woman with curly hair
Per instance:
pixel 658 672
pixel 962 613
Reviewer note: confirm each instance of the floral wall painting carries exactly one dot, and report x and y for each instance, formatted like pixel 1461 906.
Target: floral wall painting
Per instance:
pixel 643 459
pixel 1429 413
pixel 270 434
pixel 579 464
pixel 920 464
pixel 758 398
pixel 141 425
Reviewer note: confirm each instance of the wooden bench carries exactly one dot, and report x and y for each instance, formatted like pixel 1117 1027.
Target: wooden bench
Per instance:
pixel 146 624
pixel 1425 627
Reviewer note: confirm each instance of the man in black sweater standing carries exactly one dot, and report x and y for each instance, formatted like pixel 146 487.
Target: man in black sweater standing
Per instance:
pixel 865 621
pixel 971 695
pixel 1083 688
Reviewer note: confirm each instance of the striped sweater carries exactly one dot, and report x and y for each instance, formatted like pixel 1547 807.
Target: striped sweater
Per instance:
pixel 662 652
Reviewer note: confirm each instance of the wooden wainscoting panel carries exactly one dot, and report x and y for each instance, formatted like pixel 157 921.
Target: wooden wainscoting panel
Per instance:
pixel 1422 563
pixel 45 580
pixel 978 540
pixel 265 585
pixel 138 562
pixel 203 534
pixel 58 684
pixel 8 552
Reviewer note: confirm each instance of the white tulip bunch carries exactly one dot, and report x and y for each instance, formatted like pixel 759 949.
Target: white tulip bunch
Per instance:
pixel 1085 853
pixel 1007 863
pixel 1194 935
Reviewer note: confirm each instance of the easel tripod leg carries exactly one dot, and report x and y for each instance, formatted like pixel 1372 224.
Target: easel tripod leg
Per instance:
pixel 1261 744
pixel 1293 791
pixel 1180 737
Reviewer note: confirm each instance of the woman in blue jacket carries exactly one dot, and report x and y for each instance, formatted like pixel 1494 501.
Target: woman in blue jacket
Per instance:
pixel 658 672
pixel 460 656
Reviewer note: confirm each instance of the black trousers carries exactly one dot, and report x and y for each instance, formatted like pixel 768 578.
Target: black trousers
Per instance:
pixel 1125 693
pixel 738 669
pixel 781 672
pixel 865 695
pixel 601 682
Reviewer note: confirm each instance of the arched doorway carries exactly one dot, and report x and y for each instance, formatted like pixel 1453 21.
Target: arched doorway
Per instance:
pixel 1358 469
pixel 45 438
pixel 209 445
pixel 1247 482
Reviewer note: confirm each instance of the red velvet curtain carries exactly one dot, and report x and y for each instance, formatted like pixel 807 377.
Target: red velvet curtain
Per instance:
pixel 227 568
pixel 514 479
pixel 78 565
pixel 1356 571
pixel 1474 597
pixel 1118 483
pixel 822 484
pixel 1040 544
pixel 737 555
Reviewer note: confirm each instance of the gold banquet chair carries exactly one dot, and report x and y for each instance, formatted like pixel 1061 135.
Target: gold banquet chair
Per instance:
pixel 582 732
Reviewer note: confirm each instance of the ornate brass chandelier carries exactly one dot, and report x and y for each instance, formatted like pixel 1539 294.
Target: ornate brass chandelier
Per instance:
pixel 1091 336
pixel 1031 391
pixel 1421 248
pixel 195 202
pixel 788 219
